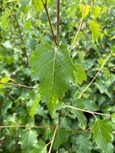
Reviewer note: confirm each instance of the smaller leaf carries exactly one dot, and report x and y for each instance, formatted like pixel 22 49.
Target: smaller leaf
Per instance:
pixel 5 106
pixel 28 140
pixel 78 114
pixel 81 118
pixel 79 74
pixel 112 38
pixel 104 9
pixel 5 22
pixel 96 11
pixel 33 109
pixel 95 29
pixel 85 10
pixel 113 118
pixel 102 133
pixel 38 4
pixel 61 137
pixel 100 84
pixel 4 80
pixel 40 147
pixel 110 148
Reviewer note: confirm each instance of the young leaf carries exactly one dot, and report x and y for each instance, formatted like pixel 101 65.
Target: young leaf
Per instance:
pixel 104 9
pixel 33 109
pixel 38 4
pixel 5 18
pixel 102 133
pixel 28 140
pixel 95 29
pixel 85 10
pixel 54 69
pixel 96 11
pixel 4 80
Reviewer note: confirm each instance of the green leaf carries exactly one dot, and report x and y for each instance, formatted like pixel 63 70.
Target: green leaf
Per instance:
pixel 33 109
pixel 81 118
pixel 85 10
pixel 40 147
pixel 95 29
pixel 39 5
pixel 104 9
pixel 5 106
pixel 113 118
pixel 4 80
pixel 5 22
pixel 54 69
pixel 82 143
pixel 102 133
pixel 80 74
pixel 61 137
pixel 112 38
pixel 28 140
pixel 80 115
pixel 96 11
pixel 110 148
pixel 100 84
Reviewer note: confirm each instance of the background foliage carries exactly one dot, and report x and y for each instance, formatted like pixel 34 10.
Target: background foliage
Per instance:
pixel 29 119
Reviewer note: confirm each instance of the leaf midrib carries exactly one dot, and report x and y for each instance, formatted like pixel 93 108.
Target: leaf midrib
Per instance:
pixel 53 71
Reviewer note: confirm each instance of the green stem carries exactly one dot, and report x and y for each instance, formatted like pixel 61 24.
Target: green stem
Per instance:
pixel 87 111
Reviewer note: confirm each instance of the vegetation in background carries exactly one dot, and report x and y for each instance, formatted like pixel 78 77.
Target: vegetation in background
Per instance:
pixel 57 77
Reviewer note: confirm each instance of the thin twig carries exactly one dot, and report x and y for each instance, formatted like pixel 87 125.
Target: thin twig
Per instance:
pixel 59 118
pixel 58 21
pixel 93 4
pixel 81 94
pixel 75 38
pixel 53 138
pixel 11 97
pixel 84 110
pixel 49 20
pixel 48 144
pixel 18 85
pixel 26 126
pixel 79 29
